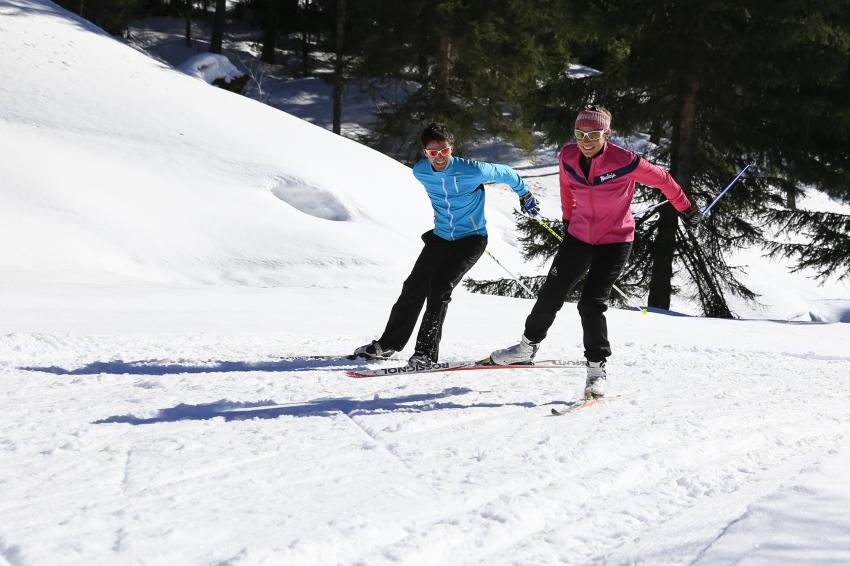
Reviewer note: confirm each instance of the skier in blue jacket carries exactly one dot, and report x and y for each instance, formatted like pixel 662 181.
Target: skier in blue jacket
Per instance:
pixel 456 189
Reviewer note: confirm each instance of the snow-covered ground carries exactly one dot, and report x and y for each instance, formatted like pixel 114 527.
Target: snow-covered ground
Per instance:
pixel 175 255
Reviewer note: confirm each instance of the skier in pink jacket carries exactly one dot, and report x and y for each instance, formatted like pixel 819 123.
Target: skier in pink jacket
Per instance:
pixel 597 186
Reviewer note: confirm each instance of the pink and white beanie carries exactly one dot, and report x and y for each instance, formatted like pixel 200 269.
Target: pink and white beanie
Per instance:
pixel 592 119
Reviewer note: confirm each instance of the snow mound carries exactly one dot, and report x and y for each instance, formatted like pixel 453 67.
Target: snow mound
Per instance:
pixel 310 199
pixel 210 67
pixel 831 311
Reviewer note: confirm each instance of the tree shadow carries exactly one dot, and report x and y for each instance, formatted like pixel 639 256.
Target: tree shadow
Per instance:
pixel 165 367
pixel 324 407
pixel 655 310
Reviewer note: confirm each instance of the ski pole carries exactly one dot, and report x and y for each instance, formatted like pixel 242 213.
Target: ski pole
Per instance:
pixel 560 239
pixel 508 271
pixel 640 213
pixel 729 186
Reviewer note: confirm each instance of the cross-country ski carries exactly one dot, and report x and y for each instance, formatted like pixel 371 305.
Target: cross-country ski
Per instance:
pixel 578 405
pixel 485 364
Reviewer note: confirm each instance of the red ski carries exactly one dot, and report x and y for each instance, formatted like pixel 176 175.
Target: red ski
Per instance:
pixel 484 364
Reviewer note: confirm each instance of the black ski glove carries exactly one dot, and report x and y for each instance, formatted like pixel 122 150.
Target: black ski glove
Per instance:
pixel 529 205
pixel 692 216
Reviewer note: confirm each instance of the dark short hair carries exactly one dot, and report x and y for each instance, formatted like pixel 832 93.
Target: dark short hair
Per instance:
pixel 436 131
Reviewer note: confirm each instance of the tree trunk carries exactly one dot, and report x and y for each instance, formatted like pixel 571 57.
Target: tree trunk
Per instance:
pixel 791 198
pixel 306 9
pixel 188 15
pixel 82 8
pixel 422 44
pixel 305 53
pixel 339 79
pixel 681 162
pixel 662 259
pixel 444 66
pixel 218 26
pixel 270 30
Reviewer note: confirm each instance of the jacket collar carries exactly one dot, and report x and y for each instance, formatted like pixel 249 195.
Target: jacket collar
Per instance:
pixel 448 166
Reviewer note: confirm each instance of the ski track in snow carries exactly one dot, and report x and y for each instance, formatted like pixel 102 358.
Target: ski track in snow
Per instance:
pixel 436 468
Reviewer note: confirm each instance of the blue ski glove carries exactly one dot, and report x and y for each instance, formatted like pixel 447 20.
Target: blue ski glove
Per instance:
pixel 529 205
pixel 692 216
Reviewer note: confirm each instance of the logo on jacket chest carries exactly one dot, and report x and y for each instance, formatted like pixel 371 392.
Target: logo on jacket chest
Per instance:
pixel 582 181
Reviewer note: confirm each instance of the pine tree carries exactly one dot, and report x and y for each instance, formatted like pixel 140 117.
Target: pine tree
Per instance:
pixel 339 65
pixel 271 29
pixel 468 63
pixel 715 85
pixel 219 18
pixel 826 248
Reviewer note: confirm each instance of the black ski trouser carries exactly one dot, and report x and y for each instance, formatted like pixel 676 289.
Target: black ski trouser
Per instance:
pixel 438 269
pixel 603 264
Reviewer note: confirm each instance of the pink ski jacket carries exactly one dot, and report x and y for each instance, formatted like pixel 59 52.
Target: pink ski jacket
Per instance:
pixel 598 207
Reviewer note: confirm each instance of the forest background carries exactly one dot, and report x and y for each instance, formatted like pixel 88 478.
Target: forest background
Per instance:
pixel 711 86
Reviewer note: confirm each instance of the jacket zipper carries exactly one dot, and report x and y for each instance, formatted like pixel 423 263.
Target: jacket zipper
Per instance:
pixel 449 207
pixel 592 205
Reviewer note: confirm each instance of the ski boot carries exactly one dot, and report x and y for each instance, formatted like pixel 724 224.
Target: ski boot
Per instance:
pixel 594 386
pixel 373 351
pixel 420 360
pixel 522 353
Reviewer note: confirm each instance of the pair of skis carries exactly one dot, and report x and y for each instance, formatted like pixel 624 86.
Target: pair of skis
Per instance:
pixel 485 364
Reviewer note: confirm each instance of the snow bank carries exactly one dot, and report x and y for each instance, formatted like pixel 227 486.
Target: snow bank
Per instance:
pixel 118 169
pixel 210 67
pixel 831 311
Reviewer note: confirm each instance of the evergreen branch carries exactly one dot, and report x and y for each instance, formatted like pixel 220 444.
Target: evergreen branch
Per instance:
pixel 828 248
pixel 505 287
pixel 537 242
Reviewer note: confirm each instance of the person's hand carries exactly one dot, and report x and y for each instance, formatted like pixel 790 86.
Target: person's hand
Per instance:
pixel 529 205
pixel 692 216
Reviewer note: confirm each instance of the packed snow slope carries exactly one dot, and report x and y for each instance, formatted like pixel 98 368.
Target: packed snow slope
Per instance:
pixel 113 162
pixel 176 256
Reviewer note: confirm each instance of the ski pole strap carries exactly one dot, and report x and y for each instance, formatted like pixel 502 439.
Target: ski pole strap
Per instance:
pixel 729 186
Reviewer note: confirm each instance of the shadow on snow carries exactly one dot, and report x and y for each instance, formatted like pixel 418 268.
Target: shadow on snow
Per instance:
pixel 324 407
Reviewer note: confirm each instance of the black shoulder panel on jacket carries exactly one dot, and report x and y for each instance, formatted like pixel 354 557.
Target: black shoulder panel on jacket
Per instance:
pixel 611 175
pixel 575 175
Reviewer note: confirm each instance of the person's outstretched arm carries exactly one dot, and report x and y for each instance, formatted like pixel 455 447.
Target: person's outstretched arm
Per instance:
pixel 654 176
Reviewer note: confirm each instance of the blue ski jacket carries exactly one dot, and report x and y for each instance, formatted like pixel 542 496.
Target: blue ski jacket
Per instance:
pixel 457 194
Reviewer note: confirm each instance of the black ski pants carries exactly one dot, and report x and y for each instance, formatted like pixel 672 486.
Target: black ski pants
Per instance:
pixel 440 266
pixel 603 264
